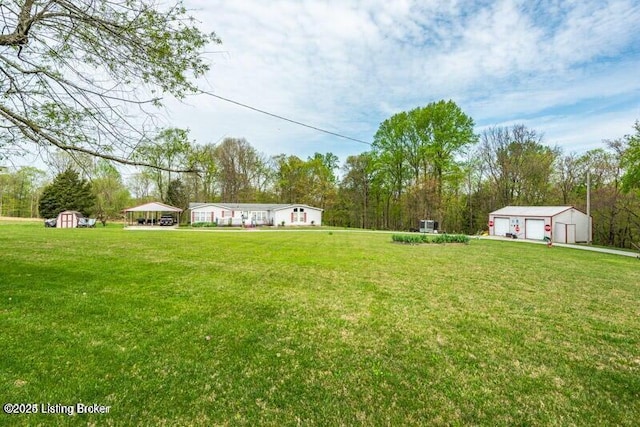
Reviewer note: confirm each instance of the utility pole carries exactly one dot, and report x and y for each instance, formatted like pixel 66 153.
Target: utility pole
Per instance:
pixel 588 207
pixel 3 170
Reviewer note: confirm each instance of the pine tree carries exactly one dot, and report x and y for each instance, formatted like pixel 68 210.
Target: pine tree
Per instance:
pixel 177 194
pixel 66 192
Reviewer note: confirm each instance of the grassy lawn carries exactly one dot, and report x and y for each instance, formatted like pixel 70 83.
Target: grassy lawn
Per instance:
pixel 314 328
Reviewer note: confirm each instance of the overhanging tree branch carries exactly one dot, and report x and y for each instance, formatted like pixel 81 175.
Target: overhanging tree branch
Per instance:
pixel 32 131
pixel 78 75
pixel 19 36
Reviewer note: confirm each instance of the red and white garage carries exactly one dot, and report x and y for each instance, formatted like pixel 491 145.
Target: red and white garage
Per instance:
pixel 562 224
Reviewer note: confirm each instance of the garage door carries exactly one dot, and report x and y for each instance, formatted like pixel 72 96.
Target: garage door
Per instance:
pixel 534 229
pixel 500 226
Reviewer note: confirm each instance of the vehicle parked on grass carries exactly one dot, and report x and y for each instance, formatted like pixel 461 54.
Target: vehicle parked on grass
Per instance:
pixel 87 222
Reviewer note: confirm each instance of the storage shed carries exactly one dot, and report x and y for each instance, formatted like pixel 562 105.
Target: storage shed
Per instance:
pixel 561 224
pixel 68 219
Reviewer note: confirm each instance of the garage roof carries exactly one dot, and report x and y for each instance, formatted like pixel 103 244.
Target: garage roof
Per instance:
pixel 531 210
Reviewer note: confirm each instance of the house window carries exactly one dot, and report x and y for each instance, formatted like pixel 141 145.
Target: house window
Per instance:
pixel 298 215
pixel 200 217
pixel 259 216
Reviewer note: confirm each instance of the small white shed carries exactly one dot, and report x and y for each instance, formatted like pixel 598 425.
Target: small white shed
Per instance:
pixel 561 224
pixel 68 219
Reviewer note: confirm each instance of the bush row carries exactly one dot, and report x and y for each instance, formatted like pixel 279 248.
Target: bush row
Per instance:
pixel 425 238
pixel 204 224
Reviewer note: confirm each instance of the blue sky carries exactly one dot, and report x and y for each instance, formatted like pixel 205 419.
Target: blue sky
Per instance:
pixel 568 69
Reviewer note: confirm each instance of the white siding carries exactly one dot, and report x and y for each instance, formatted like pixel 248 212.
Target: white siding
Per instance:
pixel 282 217
pixel 205 214
pixel 568 224
pixel 315 216
pixel 290 216
pixel 263 214
pixel 581 221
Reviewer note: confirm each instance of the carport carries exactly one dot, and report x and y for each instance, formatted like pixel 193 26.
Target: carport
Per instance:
pixel 149 213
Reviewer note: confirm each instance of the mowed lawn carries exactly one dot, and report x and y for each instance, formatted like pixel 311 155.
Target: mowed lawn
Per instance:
pixel 314 328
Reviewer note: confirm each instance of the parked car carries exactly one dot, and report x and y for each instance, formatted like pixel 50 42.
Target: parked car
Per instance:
pixel 87 222
pixel 166 220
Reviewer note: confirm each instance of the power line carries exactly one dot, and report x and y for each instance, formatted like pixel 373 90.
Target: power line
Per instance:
pixel 284 118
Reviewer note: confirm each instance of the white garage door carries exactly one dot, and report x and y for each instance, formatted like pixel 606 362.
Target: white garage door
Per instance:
pixel 534 229
pixel 500 226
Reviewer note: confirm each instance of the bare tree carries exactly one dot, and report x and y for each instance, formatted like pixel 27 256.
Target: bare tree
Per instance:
pixel 169 151
pixel 241 170
pixel 519 166
pixel 85 75
pixel 569 175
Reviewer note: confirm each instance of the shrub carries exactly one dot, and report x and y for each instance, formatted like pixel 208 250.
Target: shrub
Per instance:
pixel 451 238
pixel 410 238
pixel 204 224
pixel 415 239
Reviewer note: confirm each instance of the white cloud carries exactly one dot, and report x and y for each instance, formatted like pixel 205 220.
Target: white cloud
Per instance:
pixel 347 65
pixel 567 68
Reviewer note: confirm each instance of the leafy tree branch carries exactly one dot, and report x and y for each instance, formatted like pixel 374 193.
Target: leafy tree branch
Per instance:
pixel 85 75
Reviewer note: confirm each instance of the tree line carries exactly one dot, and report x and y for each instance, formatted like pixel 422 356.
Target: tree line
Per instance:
pixel 74 73
pixel 426 163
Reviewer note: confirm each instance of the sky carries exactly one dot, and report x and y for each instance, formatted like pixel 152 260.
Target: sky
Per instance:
pixel 567 69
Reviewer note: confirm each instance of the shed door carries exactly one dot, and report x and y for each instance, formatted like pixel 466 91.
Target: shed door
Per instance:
pixel 571 233
pixel 66 220
pixel 560 233
pixel 534 229
pixel 500 226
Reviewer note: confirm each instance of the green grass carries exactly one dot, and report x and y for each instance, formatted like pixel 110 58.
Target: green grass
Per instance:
pixel 314 328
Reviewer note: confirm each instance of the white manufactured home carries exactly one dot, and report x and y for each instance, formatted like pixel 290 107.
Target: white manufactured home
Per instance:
pixel 253 214
pixel 561 224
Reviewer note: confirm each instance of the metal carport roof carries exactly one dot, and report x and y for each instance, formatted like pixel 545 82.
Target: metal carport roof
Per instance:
pixel 154 207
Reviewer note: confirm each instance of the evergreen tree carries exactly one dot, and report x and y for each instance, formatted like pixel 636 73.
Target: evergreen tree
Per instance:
pixel 66 192
pixel 177 194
